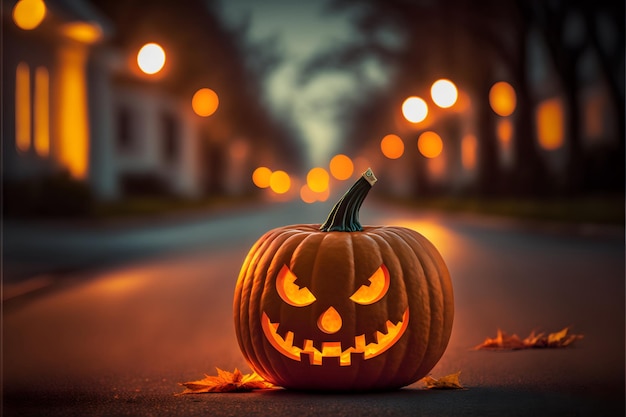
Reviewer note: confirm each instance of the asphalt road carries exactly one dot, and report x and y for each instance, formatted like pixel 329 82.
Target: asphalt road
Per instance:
pixel 132 311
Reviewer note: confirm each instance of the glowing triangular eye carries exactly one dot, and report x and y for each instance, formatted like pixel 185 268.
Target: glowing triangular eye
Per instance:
pixel 379 284
pixel 291 293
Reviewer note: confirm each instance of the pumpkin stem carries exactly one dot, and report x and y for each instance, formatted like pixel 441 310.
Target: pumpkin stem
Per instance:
pixel 344 217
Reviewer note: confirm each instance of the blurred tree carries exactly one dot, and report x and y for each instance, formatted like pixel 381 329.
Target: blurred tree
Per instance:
pixel 475 44
pixel 567 46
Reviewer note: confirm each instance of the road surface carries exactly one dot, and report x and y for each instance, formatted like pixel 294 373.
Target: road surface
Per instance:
pixel 139 310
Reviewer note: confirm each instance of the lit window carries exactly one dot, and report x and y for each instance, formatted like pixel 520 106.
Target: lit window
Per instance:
pixel 468 151
pixel 22 107
pixel 550 122
pixel 42 112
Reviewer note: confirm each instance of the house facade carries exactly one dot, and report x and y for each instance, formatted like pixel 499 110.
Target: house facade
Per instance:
pixel 74 105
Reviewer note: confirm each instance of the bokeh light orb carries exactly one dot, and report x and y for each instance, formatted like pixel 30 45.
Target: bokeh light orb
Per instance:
pixel 205 102
pixel 341 167
pixel 414 109
pixel 444 93
pixel 392 146
pixel 502 98
pixel 280 182
pixel 151 58
pixel 317 179
pixel 430 144
pixel 307 195
pixel 28 14
pixel 261 177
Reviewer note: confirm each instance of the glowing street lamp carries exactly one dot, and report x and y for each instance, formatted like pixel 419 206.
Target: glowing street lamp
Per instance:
pixel 261 177
pixel 502 98
pixel 28 14
pixel 430 144
pixel 444 93
pixel 280 182
pixel 341 167
pixel 317 179
pixel 414 109
pixel 392 146
pixel 205 102
pixel 151 58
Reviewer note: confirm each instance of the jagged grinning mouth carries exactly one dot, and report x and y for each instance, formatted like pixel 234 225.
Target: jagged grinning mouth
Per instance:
pixel 333 349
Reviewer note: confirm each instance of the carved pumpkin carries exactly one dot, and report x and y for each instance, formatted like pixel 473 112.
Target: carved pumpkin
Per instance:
pixel 341 306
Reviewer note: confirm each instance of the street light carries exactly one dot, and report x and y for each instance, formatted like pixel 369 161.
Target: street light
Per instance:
pixel 28 14
pixel 341 167
pixel 317 179
pixel 151 58
pixel 205 102
pixel 430 144
pixel 414 109
pixel 392 146
pixel 502 98
pixel 444 93
pixel 261 177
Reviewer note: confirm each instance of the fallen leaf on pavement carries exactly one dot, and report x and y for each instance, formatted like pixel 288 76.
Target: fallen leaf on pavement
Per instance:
pixel 226 382
pixel 502 341
pixel 445 382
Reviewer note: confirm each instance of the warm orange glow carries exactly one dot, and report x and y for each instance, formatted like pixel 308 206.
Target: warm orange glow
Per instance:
pixel 323 196
pixel 151 58
pixel 444 93
pixel 341 167
pixel 28 14
pixel 414 109
pixel 307 195
pixel 261 177
pixel 504 131
pixel 502 98
pixel 205 102
pixel 469 147
pixel 285 345
pixel 375 290
pixel 22 107
pixel 392 146
pixel 74 122
pixel 430 144
pixel 436 168
pixel 317 179
pixel 550 122
pixel 42 112
pixel 330 322
pixel 280 182
pixel 290 292
pixel 82 31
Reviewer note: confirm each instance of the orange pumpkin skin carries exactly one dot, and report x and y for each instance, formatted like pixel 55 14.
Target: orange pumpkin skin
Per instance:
pixel 286 342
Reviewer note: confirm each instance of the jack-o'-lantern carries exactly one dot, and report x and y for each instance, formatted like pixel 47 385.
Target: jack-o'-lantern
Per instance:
pixel 343 307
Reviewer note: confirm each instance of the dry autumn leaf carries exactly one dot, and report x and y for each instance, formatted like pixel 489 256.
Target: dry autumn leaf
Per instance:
pixel 446 382
pixel 502 341
pixel 226 381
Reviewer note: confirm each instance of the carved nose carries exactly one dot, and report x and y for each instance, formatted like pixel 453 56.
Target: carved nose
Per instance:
pixel 330 321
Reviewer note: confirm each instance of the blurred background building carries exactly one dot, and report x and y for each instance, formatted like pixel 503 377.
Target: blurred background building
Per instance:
pixel 84 120
pixel 480 99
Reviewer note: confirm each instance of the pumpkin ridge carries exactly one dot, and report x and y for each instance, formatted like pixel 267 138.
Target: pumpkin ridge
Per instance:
pixel 401 366
pixel 259 288
pixel 243 289
pixel 436 336
pixel 446 288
